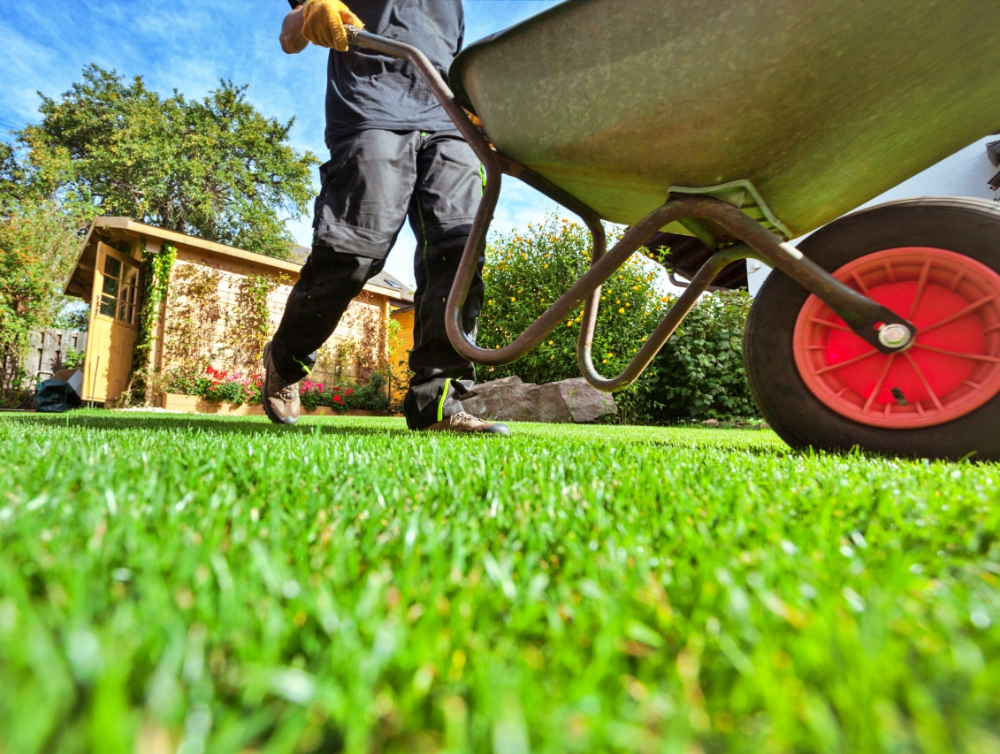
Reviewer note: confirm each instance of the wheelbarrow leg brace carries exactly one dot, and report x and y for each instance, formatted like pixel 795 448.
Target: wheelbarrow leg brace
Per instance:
pixel 882 328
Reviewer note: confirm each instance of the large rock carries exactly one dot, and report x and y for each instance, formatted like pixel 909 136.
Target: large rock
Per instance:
pixel 511 399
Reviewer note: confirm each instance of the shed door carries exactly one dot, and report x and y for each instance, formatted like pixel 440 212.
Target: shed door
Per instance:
pixel 114 317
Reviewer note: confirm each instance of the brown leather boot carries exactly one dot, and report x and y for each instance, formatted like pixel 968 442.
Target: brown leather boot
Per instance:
pixel 279 396
pixel 462 423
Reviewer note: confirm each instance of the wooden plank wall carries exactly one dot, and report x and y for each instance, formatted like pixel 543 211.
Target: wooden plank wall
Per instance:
pixel 48 347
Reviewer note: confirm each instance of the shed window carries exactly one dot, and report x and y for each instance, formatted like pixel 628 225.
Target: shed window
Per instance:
pixel 119 294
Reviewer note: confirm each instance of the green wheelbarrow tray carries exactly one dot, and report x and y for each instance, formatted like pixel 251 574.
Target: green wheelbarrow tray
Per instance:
pixel 819 105
pixel 743 122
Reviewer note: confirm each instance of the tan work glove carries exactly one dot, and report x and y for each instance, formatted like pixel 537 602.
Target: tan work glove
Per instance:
pixel 323 23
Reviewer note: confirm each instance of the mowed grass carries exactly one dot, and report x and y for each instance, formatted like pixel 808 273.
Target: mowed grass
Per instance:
pixel 196 584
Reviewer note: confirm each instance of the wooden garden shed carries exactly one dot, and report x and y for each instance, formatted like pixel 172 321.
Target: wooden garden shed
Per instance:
pixel 220 305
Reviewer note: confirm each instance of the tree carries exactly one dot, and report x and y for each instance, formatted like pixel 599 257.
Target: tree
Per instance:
pixel 215 168
pixel 38 244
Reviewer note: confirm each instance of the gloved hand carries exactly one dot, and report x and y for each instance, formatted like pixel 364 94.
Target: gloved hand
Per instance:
pixel 323 23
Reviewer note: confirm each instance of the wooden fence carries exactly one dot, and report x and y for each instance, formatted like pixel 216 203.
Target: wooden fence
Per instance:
pixel 49 349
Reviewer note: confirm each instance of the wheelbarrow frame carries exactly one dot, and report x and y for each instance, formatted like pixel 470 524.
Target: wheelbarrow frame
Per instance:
pixel 868 319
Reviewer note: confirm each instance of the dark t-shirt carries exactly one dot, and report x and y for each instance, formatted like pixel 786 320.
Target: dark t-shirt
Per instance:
pixel 366 89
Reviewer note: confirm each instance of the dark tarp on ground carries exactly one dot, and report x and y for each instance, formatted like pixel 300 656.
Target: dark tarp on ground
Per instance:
pixel 55 397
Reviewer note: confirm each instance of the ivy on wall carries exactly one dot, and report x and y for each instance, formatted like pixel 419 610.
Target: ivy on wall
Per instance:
pixel 247 335
pixel 156 280
pixel 362 352
pixel 193 312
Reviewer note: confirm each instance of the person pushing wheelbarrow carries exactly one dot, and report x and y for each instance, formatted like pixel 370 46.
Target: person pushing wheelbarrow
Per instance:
pixel 394 155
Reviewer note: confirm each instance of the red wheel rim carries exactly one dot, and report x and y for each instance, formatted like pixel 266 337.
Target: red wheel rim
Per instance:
pixel 951 369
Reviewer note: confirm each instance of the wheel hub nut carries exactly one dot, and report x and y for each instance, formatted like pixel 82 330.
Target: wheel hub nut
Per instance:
pixel 894 336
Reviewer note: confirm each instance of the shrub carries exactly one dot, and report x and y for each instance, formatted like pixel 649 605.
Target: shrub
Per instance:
pixel 38 245
pixel 699 373
pixel 525 274
pixel 371 396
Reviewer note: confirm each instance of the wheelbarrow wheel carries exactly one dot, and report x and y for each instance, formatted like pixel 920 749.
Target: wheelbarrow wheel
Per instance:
pixel 936 262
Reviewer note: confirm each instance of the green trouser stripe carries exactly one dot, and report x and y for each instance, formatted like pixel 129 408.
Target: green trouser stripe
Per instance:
pixel 306 367
pixel 444 397
pixel 482 174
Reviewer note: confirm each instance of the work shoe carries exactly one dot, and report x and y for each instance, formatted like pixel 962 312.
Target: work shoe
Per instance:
pixel 467 423
pixel 279 396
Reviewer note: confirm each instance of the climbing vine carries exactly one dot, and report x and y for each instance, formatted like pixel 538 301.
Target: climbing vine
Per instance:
pixel 249 333
pixel 193 312
pixel 156 276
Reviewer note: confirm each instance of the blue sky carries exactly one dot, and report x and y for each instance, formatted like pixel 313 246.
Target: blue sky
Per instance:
pixel 189 46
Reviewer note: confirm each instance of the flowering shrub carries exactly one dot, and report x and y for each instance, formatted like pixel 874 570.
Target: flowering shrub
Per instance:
pixel 219 387
pixel 315 394
pixel 236 388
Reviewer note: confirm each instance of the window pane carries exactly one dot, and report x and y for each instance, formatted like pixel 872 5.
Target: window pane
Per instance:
pixel 111 286
pixel 131 315
pixel 107 306
pixel 112 267
pixel 122 311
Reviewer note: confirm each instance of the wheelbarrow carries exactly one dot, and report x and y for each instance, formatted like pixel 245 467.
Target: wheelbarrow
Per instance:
pixel 747 123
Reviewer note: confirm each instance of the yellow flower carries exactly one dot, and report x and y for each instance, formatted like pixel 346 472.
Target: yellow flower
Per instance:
pixel 605 361
pixel 627 304
pixel 546 267
pixel 622 310
pixel 512 299
pixel 490 302
pixel 551 342
pixel 618 301
pixel 551 357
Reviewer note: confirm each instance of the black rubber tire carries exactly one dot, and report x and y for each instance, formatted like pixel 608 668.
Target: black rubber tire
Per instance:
pixel 970 227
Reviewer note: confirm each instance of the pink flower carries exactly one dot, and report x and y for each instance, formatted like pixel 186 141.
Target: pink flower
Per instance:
pixel 319 386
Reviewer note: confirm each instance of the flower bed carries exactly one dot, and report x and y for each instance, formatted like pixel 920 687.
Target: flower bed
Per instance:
pixel 236 394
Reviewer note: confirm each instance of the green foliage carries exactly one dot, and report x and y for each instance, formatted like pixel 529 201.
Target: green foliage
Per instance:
pixel 156 276
pixel 38 245
pixel 214 168
pixel 75 315
pixel 250 329
pixel 700 372
pixel 525 274
pixel 226 585
pixel 73 359
pixel 369 397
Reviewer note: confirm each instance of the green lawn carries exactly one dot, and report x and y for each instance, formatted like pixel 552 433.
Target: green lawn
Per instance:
pixel 223 585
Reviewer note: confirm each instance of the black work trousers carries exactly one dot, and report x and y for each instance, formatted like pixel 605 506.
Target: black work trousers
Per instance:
pixel 373 182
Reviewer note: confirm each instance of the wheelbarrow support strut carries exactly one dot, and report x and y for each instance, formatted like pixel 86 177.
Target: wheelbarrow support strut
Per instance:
pixel 882 328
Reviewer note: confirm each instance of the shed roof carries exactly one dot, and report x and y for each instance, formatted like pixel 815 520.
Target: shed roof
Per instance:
pixel 81 279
